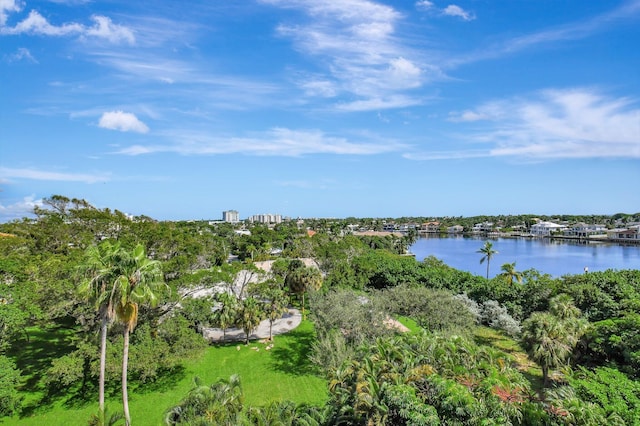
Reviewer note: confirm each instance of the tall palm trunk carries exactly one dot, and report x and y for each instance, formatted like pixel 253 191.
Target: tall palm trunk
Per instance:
pixel 545 376
pixel 488 268
pixel 103 359
pixel 125 362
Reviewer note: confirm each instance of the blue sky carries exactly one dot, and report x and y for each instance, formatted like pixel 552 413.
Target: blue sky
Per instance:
pixel 321 108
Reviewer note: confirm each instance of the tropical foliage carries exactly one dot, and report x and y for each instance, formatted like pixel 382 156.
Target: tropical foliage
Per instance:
pixel 96 273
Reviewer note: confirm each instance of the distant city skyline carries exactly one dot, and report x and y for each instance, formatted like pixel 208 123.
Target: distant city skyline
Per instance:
pixel 317 108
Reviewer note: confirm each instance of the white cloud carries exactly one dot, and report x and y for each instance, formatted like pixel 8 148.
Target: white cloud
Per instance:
pixel 275 142
pixel 379 103
pixel 122 121
pixel 106 29
pixel 455 10
pixel 451 10
pixel 571 31
pixel 19 209
pixel 321 88
pixel 37 24
pixel 34 174
pixel 22 54
pixel 553 124
pixel 487 111
pixel 446 155
pixel 466 116
pixel 404 73
pixel 355 42
pixel 424 4
pixel 8 6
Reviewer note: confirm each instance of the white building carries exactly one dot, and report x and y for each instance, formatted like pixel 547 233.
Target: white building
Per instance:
pixel 483 227
pixel 584 230
pixel 266 218
pixel 230 216
pixel 544 229
pixel 431 227
pixel 455 229
pixel 631 234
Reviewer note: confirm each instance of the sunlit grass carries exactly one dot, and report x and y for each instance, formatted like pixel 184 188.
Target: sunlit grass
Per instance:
pixel 410 323
pixel 282 373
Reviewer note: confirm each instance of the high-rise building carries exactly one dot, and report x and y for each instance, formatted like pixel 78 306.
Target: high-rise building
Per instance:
pixel 230 216
pixel 266 218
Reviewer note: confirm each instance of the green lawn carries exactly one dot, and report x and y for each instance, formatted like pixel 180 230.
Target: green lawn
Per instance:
pixel 282 373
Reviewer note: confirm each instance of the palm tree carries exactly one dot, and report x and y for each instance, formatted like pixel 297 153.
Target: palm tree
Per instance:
pixel 218 404
pixel 138 278
pixel 563 307
pixel 565 310
pixel 103 418
pixel 100 273
pixel 250 315
pixel 549 337
pixel 227 311
pixel 544 339
pixel 509 272
pixel 487 251
pixel 275 307
pixel 301 278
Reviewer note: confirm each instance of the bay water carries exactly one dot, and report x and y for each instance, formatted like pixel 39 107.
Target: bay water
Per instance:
pixel 553 257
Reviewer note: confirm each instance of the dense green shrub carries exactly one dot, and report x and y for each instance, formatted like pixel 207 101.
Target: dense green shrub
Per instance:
pixel 435 310
pixel 10 400
pixel 610 389
pixel 614 341
pixel 357 317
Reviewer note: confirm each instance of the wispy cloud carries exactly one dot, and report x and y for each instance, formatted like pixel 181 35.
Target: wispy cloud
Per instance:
pixel 457 11
pixel 392 101
pixel 35 174
pixel 122 121
pixel 553 124
pixel 357 45
pixel 19 209
pixel 275 142
pixel 104 28
pixel 22 54
pixel 451 10
pixel 424 4
pixel 571 31
pixel 36 24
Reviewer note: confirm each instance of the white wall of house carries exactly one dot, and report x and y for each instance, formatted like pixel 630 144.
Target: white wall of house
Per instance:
pixel 544 229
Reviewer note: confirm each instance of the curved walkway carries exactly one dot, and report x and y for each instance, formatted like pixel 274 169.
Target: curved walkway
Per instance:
pixel 288 322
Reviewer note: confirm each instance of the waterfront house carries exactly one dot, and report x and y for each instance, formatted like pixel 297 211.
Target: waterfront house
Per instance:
pixel 482 228
pixel 430 227
pixel 545 229
pixel 631 235
pixel 389 227
pixel 455 229
pixel 584 230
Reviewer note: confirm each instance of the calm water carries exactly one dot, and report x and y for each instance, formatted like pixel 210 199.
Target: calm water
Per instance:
pixel 556 258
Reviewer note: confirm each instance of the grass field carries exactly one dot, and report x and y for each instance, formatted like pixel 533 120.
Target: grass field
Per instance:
pixel 282 373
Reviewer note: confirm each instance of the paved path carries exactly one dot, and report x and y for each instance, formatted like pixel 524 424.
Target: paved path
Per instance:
pixel 289 321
